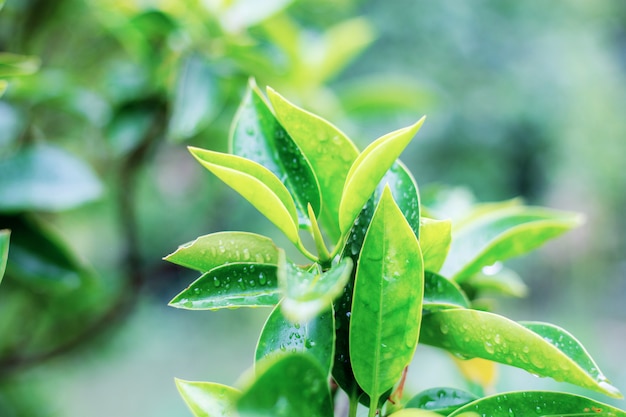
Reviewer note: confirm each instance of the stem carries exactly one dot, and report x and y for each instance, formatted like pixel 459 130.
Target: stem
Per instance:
pixel 354 404
pixel 373 406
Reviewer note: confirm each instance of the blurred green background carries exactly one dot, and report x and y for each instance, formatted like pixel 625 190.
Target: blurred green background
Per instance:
pixel 102 97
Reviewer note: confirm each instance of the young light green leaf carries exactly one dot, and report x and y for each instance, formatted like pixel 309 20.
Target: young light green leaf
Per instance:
pixel 208 399
pixel 257 135
pixel 441 400
pixel 329 151
pixel 367 171
pixel 230 286
pixel 13 64
pixel 256 184
pixel 440 293
pixel 197 98
pixel 308 293
pixel 210 251
pixel 315 337
pixel 502 234
pixel 45 178
pixel 554 353
pixel 498 280
pixel 287 386
pixel 435 237
pixel 537 403
pixel 387 304
pixel 4 250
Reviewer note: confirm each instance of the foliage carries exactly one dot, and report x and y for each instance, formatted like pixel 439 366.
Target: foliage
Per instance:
pixel 383 277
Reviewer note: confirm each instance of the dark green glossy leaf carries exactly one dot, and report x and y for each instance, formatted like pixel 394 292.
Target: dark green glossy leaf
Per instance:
pixel 197 98
pixel 440 293
pixel 308 293
pixel 442 400
pixel 368 169
pixel 287 386
pixel 387 302
pixel 542 349
pixel 329 151
pixel 257 135
pixel 207 399
pixel 45 178
pixel 13 64
pixel 435 238
pixel 231 286
pixel 502 234
pixel 405 194
pixel 210 251
pixel 4 250
pixel 537 403
pixel 315 337
pixel 256 184
pixel 40 260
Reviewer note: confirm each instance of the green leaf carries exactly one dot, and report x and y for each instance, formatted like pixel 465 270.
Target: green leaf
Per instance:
pixel 440 293
pixel 256 184
pixel 367 171
pixel 542 349
pixel 45 178
pixel 315 337
pixel 287 386
pixel 3 87
pixel 308 293
pixel 257 135
pixel 207 399
pixel 405 194
pixel 342 43
pixel 197 98
pixel 441 400
pixel 210 251
pixel 329 151
pixel 13 64
pixel 537 403
pixel 231 286
pixel 414 412
pixel 40 259
pixel 4 250
pixel 129 127
pixel 502 234
pixel 499 280
pixel 387 303
pixel 435 237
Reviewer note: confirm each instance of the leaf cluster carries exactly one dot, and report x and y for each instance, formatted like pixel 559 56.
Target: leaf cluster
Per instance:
pixel 383 276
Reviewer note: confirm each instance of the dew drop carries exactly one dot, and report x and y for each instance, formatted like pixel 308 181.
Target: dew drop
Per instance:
pixel 444 329
pixel 489 348
pixel 497 339
pixel 537 362
pixel 216 282
pixel 262 278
